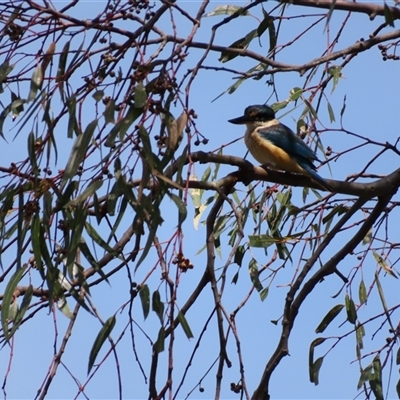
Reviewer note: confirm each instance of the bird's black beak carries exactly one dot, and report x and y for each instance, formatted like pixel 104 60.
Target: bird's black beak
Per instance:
pixel 239 120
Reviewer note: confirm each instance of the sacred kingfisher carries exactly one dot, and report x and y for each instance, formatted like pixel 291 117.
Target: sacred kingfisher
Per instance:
pixel 272 143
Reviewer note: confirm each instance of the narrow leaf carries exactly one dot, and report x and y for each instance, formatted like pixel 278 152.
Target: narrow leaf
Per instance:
pixel 26 301
pixel 109 112
pixel 311 364
pixel 227 10
pixel 157 305
pixel 78 152
pixel 388 15
pixel 8 299
pixel 362 292
pixel 159 345
pixel 264 293
pixel 185 325
pixel 329 317
pixel 93 187
pixel 62 62
pixel 140 95
pixel 103 334
pixel 239 254
pixel 315 370
pixel 48 56
pixel 144 294
pixel 253 270
pixel 36 83
pixel 351 310
pixel 181 206
pixel 330 112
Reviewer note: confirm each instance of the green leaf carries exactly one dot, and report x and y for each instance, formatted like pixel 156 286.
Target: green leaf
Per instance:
pixel 235 278
pixel 78 152
pixel 181 206
pixel 159 345
pixel 83 247
pixel 5 69
pixel 157 305
pixel 3 116
pixel 109 111
pixel 149 242
pixel 387 12
pixel 8 300
pixel 26 301
pixel 264 293
pixel 99 240
pixel 140 95
pixel 376 381
pixel 315 370
pixel 239 254
pixel 350 309
pixel 365 376
pixel 71 105
pixel 76 222
pixel 195 193
pixel 362 292
pixel 48 56
pixel 313 367
pixel 343 109
pixel 175 129
pixel 272 36
pixel 264 24
pixel 144 294
pixel 328 17
pixel 227 10
pixel 122 126
pixel 336 72
pixel 185 325
pixel 103 334
pixel 279 105
pixel 253 271
pixel 383 301
pixel 331 113
pixel 62 63
pixel 148 154
pixel 36 238
pixel 398 357
pixel 17 105
pixel 98 95
pixel 93 187
pixel 63 306
pixel 367 238
pixel 337 210
pixel 383 264
pixel 296 93
pixel 32 152
pixel 360 333
pixel 262 241
pixel 36 83
pixel 329 317
pixel 242 43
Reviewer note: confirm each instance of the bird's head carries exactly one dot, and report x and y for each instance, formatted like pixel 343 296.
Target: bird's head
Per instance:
pixel 257 115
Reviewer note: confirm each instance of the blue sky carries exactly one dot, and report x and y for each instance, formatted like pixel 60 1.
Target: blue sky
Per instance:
pixel 371 87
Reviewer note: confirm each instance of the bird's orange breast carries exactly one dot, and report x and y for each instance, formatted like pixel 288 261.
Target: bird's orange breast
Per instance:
pixel 265 152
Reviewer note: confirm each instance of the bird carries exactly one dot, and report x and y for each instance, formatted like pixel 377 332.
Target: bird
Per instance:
pixel 272 143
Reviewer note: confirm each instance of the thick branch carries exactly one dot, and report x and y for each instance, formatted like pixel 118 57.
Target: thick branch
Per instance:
pixel 292 305
pixel 367 8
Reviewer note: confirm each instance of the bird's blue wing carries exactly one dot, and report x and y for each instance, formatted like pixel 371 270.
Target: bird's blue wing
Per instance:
pixel 282 136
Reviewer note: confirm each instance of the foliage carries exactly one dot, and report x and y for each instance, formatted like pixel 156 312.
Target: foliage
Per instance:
pixel 110 183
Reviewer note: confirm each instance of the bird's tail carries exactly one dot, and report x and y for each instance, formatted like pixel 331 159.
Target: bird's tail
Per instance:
pixel 321 181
